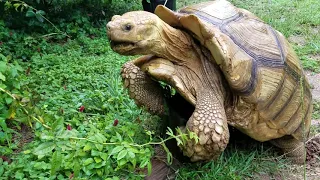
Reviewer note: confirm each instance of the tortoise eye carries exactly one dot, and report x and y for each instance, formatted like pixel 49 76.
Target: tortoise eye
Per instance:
pixel 127 27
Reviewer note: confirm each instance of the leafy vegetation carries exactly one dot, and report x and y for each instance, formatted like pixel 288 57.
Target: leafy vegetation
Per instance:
pixel 62 80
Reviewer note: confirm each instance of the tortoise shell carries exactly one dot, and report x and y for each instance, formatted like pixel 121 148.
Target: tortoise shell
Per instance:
pixel 260 66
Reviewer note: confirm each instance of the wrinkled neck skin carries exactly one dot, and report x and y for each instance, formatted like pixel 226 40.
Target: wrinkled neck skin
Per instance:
pixel 194 64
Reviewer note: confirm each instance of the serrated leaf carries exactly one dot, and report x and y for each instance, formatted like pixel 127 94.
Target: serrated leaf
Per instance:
pixel 30 13
pixel 56 162
pixel 122 154
pixel 44 148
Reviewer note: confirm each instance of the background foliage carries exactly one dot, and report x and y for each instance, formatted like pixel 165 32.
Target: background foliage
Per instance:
pixel 64 113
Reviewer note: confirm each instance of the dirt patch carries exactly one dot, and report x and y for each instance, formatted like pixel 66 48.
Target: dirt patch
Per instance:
pixel 313 151
pixel 297 39
pixel 314 80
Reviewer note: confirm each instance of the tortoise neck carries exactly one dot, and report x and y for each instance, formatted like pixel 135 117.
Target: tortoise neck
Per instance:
pixel 175 45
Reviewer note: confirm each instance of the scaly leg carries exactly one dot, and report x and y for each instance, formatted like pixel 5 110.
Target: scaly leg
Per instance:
pixel 292 148
pixel 209 122
pixel 142 88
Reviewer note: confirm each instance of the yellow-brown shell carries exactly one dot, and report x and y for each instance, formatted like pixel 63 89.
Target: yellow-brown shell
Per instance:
pixel 259 64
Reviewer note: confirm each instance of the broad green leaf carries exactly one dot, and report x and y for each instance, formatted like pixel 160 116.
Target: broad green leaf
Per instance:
pixel 87 147
pixel 99 147
pixel 131 154
pixel 39 17
pixel 41 12
pixel 116 150
pixel 19 175
pixel 97 159
pixel 144 163
pixel 44 148
pixel 88 161
pixel 76 169
pixel 100 138
pixel 104 156
pixel 2 77
pixel 122 154
pixel 30 13
pixel 56 162
pixel 3 66
pixel 8 100
pixel 119 137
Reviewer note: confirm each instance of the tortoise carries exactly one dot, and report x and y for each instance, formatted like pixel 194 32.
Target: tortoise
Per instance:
pixel 231 66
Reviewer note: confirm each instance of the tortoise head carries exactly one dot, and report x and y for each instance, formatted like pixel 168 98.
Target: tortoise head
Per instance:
pixel 134 32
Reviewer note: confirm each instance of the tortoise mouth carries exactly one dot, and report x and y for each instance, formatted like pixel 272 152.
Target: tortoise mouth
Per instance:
pixel 123 47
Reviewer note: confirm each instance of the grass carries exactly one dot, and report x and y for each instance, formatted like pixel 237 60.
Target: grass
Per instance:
pixel 85 72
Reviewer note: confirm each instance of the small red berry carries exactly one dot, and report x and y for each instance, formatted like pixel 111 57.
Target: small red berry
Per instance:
pixel 115 122
pixel 81 109
pixel 69 128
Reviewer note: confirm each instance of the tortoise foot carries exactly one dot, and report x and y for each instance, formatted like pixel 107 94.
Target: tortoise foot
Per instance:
pixel 209 122
pixel 293 149
pixel 142 88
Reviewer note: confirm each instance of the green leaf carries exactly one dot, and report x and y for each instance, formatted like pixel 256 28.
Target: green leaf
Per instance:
pixel 104 156
pixel 44 148
pixel 19 175
pixel 116 150
pixel 2 77
pixel 144 163
pixel 56 162
pixel 119 137
pixel 8 100
pixel 131 154
pixel 76 168
pixel 3 66
pixel 97 159
pixel 41 12
pixel 100 138
pixel 30 13
pixel 39 17
pixel 99 147
pixel 122 154
pixel 87 147
pixel 88 161
pixel 16 6
pixel 149 168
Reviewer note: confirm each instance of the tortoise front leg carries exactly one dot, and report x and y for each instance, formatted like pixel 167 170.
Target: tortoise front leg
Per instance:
pixel 141 87
pixel 209 122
